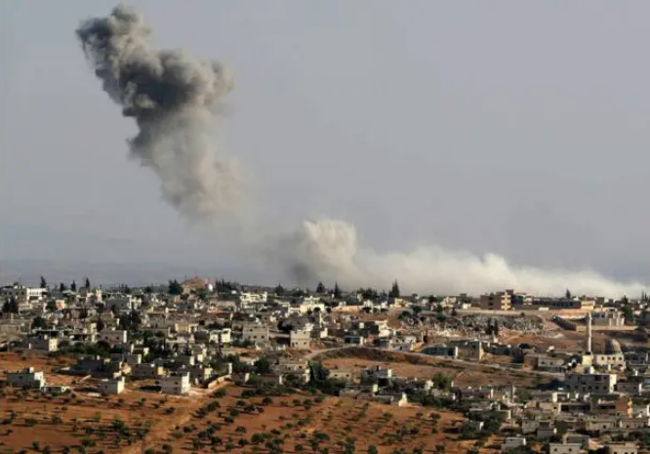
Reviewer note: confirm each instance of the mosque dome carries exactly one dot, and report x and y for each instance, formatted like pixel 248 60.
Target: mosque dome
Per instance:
pixel 612 347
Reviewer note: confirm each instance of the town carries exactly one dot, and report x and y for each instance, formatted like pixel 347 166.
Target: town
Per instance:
pixel 215 366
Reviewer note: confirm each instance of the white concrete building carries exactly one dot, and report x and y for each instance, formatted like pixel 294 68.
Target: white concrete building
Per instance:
pixel 111 385
pixel 221 336
pixel 615 360
pixel 340 374
pixel 178 384
pixel 114 336
pixel 590 383
pixel 249 298
pixel 550 363
pixel 377 372
pixel 21 293
pixel 125 303
pixel 256 333
pixel 622 448
pixel 607 318
pixel 565 448
pixel 299 339
pixel 514 442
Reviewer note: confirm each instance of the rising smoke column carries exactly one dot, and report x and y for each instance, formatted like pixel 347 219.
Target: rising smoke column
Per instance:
pixel 328 250
pixel 174 99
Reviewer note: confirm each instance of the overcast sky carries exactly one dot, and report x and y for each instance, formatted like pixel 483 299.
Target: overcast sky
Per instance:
pixel 520 128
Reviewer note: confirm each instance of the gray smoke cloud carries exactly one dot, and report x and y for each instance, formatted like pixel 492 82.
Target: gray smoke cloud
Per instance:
pixel 329 250
pixel 175 100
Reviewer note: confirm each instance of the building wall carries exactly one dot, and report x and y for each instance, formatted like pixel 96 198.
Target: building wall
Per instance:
pixel 146 370
pixel 256 333
pixel 26 378
pixel 613 360
pixel 564 448
pixel 591 383
pixel 110 386
pixel 113 337
pixel 607 318
pixel 624 448
pixel 500 301
pixel 176 384
pixel 299 340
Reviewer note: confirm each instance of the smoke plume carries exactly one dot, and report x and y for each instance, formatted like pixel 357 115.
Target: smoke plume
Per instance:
pixel 328 250
pixel 174 99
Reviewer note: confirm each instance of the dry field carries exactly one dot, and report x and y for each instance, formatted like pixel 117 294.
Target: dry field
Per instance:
pixel 82 420
pixel 303 422
pixel 138 421
pixel 400 369
pixel 572 341
pixel 425 367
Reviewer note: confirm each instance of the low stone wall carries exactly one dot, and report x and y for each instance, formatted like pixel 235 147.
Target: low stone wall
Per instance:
pixel 216 382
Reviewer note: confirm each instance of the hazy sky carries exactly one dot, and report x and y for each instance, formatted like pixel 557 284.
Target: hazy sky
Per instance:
pixel 520 128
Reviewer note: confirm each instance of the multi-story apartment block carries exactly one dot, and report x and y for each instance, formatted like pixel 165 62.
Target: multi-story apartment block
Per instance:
pixel 590 383
pixel 256 333
pixel 500 301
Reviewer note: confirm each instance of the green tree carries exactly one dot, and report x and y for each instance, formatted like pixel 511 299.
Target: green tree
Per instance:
pixel 372 449
pixel 568 294
pixel 628 313
pixel 175 288
pixel 337 291
pixel 131 321
pixel 62 287
pixel 279 290
pixel 73 286
pixel 320 288
pixel 369 293
pixel 441 381
pixel 39 323
pixel 394 291
pixel 10 306
pixel 43 282
pixel 262 366
pixel 87 284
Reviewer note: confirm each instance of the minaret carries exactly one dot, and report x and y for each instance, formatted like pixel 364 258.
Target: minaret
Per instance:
pixel 589 333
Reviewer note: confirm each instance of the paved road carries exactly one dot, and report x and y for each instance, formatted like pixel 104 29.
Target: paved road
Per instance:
pixel 501 366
